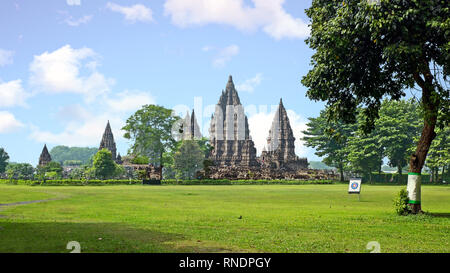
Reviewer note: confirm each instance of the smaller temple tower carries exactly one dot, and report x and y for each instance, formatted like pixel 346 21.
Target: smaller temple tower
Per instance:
pixel 108 141
pixel 45 157
pixel 280 151
pixel 191 130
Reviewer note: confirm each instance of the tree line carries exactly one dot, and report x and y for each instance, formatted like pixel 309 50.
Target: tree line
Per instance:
pixel 347 147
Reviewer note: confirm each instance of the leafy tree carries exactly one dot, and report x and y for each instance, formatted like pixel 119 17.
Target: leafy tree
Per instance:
pixel 4 158
pixel 365 152
pixel 80 172
pixel 439 154
pixel 397 127
pixel 365 52
pixel 169 171
pixel 150 130
pixel 140 159
pixel 188 159
pixel 103 165
pixel 329 138
pixel 19 171
pixel 68 155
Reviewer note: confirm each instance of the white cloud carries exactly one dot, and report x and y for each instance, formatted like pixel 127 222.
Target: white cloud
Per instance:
pixel 133 13
pixel 6 57
pixel 8 122
pixel 73 2
pixel 250 84
pixel 84 127
pixel 76 22
pixel 260 123
pixel 12 94
pixel 129 101
pixel 61 71
pixel 266 14
pixel 86 133
pixel 225 55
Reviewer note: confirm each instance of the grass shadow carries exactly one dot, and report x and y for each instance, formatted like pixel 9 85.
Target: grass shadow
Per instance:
pixel 52 237
pixel 438 215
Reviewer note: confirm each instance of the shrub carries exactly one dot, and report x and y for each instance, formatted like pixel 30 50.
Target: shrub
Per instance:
pixel 401 203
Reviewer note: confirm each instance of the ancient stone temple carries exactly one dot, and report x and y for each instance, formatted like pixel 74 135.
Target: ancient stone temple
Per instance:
pixel 108 141
pixel 280 153
pixel 229 132
pixel 191 130
pixel 45 157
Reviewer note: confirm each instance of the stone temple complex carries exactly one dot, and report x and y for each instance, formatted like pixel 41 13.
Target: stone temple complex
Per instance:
pixel 233 154
pixel 229 133
pixel 45 157
pixel 108 141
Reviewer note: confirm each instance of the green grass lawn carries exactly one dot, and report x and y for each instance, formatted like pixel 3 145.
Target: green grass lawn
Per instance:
pixel 275 218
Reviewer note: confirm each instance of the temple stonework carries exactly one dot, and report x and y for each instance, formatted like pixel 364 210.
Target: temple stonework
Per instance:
pixel 229 132
pixel 280 153
pixel 191 130
pixel 45 157
pixel 108 141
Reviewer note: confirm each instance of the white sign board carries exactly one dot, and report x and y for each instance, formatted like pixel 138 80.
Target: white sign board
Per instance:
pixel 355 185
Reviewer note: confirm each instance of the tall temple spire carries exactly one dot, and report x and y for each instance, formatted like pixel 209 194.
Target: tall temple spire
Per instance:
pixel 229 95
pixel 191 130
pixel 229 131
pixel 108 141
pixel 45 157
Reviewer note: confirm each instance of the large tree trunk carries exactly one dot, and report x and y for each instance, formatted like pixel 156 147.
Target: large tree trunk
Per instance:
pixel 430 103
pixel 341 170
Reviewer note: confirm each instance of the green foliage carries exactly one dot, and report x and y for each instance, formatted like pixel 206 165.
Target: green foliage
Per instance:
pixel 366 52
pixel 397 129
pixel 96 182
pixel 140 159
pixel 365 152
pixel 72 163
pixel 439 154
pixel 69 155
pixel 81 172
pixel 401 203
pixel 20 171
pixel 318 165
pixel 329 138
pixel 150 130
pixel 4 157
pixel 104 166
pixel 188 159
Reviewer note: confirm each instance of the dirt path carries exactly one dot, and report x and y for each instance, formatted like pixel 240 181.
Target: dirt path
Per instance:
pixel 60 196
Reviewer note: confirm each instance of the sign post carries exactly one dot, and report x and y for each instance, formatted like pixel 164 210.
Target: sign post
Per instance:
pixel 354 187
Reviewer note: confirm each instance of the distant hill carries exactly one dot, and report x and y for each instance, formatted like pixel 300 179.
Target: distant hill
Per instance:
pixel 318 165
pixel 65 155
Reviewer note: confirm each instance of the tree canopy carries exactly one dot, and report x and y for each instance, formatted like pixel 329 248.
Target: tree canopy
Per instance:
pixel 103 165
pixel 150 130
pixel 4 157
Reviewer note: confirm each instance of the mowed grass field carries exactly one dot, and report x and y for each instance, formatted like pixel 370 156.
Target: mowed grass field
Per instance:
pixel 269 218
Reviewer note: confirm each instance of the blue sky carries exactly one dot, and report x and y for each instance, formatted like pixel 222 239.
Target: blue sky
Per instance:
pixel 68 66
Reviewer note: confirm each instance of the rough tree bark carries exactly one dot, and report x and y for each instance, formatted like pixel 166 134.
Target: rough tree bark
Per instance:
pixel 430 103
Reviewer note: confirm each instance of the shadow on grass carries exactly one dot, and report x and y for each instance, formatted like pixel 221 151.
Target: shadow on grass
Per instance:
pixel 438 215
pixel 52 237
